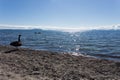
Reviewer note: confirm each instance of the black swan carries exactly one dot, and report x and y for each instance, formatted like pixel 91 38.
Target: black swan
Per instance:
pixel 16 43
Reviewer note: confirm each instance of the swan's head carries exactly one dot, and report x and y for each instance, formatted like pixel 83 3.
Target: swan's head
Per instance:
pixel 19 35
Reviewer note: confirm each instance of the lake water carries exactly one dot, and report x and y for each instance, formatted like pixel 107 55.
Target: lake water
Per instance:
pixel 103 44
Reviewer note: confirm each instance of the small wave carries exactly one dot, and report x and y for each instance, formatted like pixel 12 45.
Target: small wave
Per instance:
pixel 106 56
pixel 76 54
pixel 73 53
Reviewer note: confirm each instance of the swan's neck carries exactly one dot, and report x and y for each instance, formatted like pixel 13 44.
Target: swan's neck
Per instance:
pixel 19 39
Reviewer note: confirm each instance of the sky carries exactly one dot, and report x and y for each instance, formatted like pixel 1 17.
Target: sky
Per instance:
pixel 60 13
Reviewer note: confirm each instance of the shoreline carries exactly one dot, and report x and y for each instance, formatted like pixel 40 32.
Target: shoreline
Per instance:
pixel 28 64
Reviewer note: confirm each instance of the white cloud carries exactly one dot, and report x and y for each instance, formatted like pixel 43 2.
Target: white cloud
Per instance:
pixel 65 29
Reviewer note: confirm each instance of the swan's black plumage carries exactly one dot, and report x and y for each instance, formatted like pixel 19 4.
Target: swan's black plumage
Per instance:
pixel 16 43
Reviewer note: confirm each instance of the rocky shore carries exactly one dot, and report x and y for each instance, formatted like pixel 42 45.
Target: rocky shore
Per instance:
pixel 27 64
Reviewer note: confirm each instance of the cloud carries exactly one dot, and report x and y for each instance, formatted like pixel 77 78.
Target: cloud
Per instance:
pixel 65 29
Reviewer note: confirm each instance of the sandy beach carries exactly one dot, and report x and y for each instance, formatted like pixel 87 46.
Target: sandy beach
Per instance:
pixel 27 64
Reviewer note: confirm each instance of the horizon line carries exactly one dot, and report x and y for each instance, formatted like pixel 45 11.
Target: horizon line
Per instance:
pixel 58 28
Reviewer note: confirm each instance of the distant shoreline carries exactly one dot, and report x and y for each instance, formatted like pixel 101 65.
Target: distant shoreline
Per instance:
pixel 33 65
